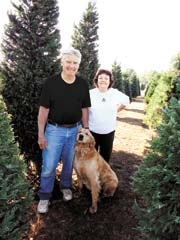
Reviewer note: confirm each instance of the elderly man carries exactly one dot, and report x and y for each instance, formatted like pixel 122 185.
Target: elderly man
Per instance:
pixel 64 103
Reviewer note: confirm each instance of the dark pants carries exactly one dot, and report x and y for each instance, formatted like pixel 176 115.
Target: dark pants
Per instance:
pixel 104 144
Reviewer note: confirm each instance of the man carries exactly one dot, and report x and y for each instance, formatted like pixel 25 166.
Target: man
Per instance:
pixel 63 107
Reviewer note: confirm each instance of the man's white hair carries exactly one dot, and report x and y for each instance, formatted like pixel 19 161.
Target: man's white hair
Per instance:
pixel 70 51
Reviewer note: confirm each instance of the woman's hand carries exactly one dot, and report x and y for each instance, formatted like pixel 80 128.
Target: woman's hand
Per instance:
pixel 120 107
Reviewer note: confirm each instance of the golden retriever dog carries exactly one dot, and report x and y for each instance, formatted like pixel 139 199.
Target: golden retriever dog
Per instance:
pixel 92 170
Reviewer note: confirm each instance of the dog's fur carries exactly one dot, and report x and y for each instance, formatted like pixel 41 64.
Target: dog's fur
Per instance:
pixel 92 170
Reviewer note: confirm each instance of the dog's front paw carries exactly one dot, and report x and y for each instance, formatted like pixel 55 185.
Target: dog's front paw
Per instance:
pixel 92 210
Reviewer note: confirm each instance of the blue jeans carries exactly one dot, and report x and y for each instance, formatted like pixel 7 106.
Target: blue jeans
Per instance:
pixel 61 143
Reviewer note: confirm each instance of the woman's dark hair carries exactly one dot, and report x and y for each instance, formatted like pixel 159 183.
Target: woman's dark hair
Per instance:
pixel 103 71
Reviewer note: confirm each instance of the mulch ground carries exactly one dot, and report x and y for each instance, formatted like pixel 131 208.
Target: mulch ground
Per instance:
pixel 115 219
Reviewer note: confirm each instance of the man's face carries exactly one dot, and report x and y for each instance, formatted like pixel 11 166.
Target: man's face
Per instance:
pixel 70 64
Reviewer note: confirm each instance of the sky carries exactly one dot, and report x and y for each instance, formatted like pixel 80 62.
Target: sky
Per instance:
pixel 139 34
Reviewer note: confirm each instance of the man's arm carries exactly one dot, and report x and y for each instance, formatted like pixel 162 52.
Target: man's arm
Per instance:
pixel 42 120
pixel 85 117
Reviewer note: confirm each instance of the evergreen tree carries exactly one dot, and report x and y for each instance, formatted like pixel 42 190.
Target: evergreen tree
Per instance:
pixel 134 82
pixel 117 75
pixel 127 83
pixel 1 86
pixel 15 193
pixel 31 45
pixel 127 86
pixel 176 73
pixel 153 79
pixel 85 39
pixel 158 100
pixel 176 62
pixel 157 181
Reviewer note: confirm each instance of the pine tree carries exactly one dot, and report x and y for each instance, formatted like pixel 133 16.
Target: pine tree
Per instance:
pixel 159 100
pixel 134 83
pixel 31 46
pixel 117 75
pixel 85 39
pixel 127 83
pixel 157 181
pixel 153 79
pixel 15 193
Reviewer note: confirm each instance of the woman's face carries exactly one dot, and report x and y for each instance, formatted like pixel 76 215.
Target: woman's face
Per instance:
pixel 103 81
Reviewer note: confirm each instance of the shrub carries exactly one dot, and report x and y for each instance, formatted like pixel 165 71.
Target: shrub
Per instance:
pixel 15 194
pixel 157 181
pixel 158 101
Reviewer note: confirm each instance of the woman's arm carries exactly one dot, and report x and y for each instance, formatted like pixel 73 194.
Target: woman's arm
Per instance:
pixel 121 107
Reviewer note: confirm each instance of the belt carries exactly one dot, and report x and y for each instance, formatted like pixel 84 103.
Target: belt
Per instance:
pixel 64 125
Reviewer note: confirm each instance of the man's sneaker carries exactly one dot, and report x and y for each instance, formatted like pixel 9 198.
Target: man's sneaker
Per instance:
pixel 67 194
pixel 43 206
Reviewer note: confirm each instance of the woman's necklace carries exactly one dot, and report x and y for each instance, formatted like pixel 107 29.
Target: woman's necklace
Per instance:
pixel 103 96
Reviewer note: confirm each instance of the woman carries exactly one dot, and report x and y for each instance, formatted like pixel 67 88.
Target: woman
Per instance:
pixel 105 103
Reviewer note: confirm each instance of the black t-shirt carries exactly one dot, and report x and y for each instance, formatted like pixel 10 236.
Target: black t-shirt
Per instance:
pixel 65 101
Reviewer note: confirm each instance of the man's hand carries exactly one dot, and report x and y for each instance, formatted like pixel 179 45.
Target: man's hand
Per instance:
pixel 86 129
pixel 42 142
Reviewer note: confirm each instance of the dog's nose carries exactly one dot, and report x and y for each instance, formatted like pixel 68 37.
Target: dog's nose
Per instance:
pixel 80 137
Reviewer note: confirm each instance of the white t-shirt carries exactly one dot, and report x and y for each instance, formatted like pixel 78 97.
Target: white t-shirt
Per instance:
pixel 103 110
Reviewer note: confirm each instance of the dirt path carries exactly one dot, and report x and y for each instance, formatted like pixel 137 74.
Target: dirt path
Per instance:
pixel 115 219
pixel 131 133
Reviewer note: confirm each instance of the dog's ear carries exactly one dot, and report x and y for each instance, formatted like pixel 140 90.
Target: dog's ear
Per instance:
pixel 92 143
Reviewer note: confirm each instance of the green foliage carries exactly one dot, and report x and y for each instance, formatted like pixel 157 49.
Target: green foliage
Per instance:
pixel 85 39
pixel 131 83
pixel 117 75
pixel 158 101
pixel 15 194
pixel 127 85
pixel 135 85
pixel 144 79
pixel 31 47
pixel 176 62
pixel 152 78
pixel 157 181
pixel 1 84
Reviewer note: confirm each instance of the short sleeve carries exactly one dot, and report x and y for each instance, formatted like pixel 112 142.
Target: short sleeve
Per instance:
pixel 45 96
pixel 86 98
pixel 122 98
